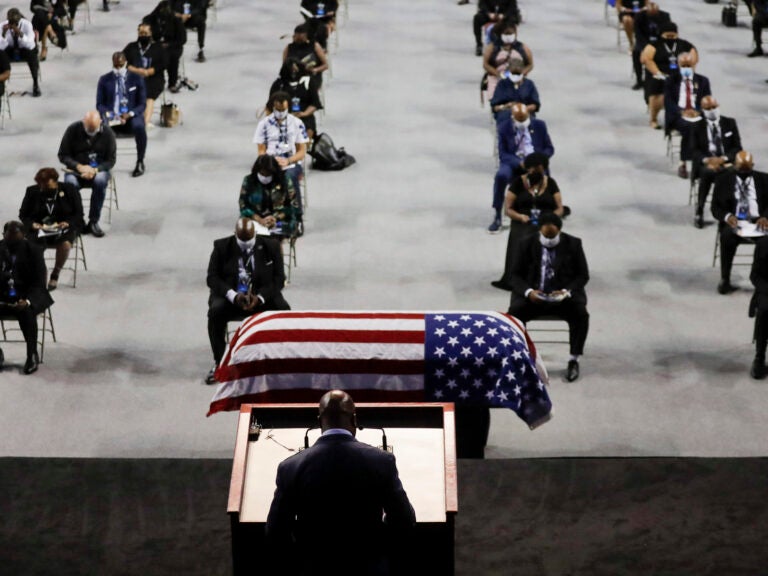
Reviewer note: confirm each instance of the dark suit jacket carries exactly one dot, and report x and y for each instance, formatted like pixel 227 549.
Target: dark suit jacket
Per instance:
pixel 724 198
pixel 759 278
pixel 134 87
pixel 539 139
pixel 672 110
pixel 729 134
pixel 223 268
pixel 29 275
pixel 331 496
pixel 68 207
pixel 570 266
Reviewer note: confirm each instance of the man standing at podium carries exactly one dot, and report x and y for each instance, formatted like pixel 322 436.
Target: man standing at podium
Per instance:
pixel 326 515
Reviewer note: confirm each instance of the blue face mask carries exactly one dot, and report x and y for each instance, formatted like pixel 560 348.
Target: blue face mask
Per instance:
pixel 686 72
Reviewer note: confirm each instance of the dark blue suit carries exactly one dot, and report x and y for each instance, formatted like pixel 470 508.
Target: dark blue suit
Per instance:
pixel 507 92
pixel 136 94
pixel 510 164
pixel 673 119
pixel 334 494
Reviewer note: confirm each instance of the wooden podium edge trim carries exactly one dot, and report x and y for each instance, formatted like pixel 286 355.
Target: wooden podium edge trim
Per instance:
pixel 237 483
pixel 449 442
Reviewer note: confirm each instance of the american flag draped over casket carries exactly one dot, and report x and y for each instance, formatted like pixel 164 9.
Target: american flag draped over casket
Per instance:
pixel 470 358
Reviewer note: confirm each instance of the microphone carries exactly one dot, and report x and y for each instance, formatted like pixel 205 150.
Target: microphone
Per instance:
pixel 383 436
pixel 306 436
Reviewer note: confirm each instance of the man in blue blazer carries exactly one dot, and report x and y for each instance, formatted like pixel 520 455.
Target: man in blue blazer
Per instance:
pixel 326 515
pixel 121 99
pixel 683 92
pixel 518 136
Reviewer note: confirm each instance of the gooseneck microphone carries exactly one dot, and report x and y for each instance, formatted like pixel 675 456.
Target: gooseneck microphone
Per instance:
pixel 383 435
pixel 306 436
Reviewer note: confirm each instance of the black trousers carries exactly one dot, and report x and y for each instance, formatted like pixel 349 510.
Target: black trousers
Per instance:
pixel 518 231
pixel 221 311
pixel 729 242
pixel 136 127
pixel 706 179
pixel 27 319
pixel 572 310
pixel 759 21
pixel 198 23
pixel 685 128
pixel 173 52
pixel 30 57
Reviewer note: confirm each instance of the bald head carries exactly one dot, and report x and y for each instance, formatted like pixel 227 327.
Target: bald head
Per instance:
pixel 245 229
pixel 92 121
pixel 709 102
pixel 337 410
pixel 685 60
pixel 519 112
pixel 743 162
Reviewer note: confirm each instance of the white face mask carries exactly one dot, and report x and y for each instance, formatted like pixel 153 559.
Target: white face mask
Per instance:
pixel 246 245
pixel 264 179
pixel 523 125
pixel 686 72
pixel 712 114
pixel 508 38
pixel 121 71
pixel 515 77
pixel 549 242
pixel 280 114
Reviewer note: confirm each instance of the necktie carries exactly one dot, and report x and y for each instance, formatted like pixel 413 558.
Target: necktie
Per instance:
pixel 717 140
pixel 547 272
pixel 743 206
pixel 688 104
pixel 120 87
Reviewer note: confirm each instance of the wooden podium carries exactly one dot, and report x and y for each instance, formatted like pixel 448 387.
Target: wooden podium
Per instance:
pixel 420 435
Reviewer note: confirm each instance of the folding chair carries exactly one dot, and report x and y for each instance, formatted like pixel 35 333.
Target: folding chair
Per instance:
pixel 73 262
pixel 5 103
pixel 288 250
pixel 47 328
pixel 738 259
pixel 674 138
pixel 548 334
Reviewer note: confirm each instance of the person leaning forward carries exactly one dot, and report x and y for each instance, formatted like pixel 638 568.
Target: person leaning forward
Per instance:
pixel 245 276
pixel 339 494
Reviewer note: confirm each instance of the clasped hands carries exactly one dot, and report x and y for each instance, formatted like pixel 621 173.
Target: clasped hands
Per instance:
pixel 762 223
pixel 54 226
pixel 537 296
pixel 247 302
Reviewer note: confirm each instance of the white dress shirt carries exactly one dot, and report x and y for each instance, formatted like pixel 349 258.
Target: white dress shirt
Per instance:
pixel 26 40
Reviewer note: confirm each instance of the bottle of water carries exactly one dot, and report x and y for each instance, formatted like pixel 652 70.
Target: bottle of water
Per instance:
pixel 320 9
pixel 295 104
pixel 93 159
pixel 12 295
pixel 743 212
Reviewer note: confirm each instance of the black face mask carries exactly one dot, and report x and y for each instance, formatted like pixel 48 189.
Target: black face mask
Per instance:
pixel 144 41
pixel 13 244
pixel 535 178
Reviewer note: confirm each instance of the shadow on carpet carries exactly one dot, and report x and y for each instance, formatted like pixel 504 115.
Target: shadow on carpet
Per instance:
pixel 649 516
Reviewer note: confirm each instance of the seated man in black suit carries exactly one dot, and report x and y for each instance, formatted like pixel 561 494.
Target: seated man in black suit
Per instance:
pixel 87 149
pixel 121 98
pixel 246 276
pixel 758 307
pixel 548 276
pixel 714 145
pixel 740 195
pixel 22 287
pixel 683 92
pixel 332 496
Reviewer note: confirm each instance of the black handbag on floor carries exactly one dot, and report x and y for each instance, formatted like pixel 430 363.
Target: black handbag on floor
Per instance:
pixel 325 156
pixel 729 16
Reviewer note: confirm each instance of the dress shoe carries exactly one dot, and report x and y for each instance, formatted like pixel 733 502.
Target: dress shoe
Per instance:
pixel 501 285
pixel 756 52
pixel 139 170
pixel 36 91
pixel 478 50
pixel 495 226
pixel 30 366
pixel 637 86
pixel 53 283
pixel 698 221
pixel 682 171
pixel 462 2
pixel 95 229
pixel 572 373
pixel 2 358
pixel 758 368
pixel 201 56
pixel 725 287
pixel 210 378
